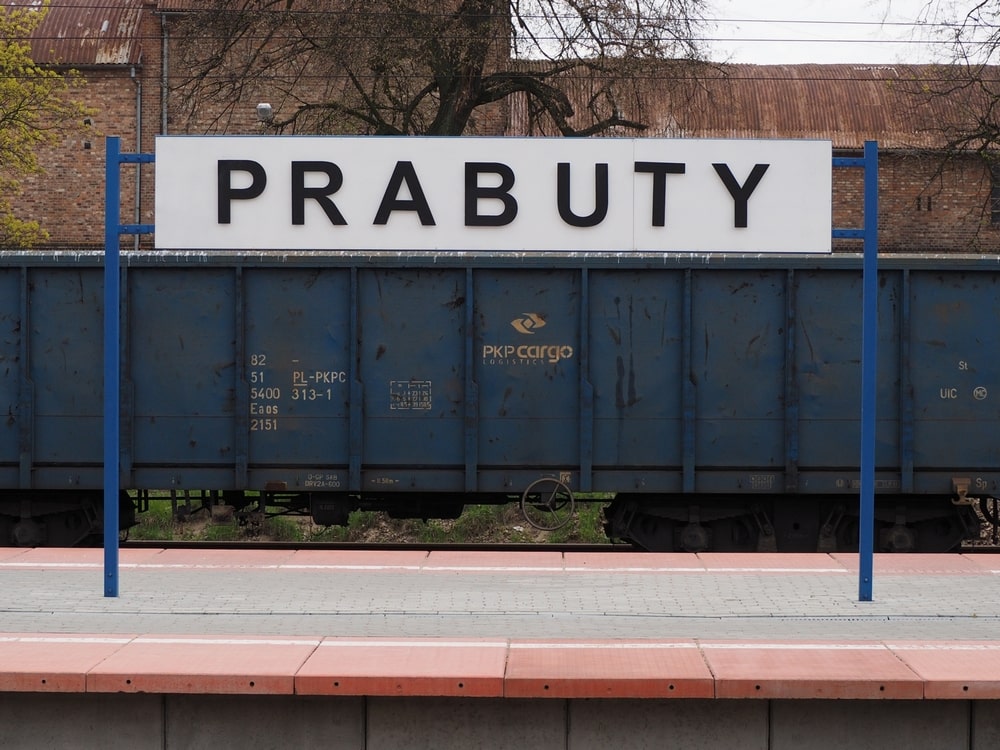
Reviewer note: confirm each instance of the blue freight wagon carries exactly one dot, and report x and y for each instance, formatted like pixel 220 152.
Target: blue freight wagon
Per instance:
pixel 712 401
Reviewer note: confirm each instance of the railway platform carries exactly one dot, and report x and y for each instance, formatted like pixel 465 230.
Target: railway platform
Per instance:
pixel 401 649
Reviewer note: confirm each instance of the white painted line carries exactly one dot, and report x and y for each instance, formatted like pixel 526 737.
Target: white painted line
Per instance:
pixel 750 646
pixel 375 643
pixel 64 639
pixel 49 565
pixel 609 646
pixel 428 568
pixel 944 646
pixel 138 566
pixel 221 641
pixel 296 566
pixel 161 640
pixel 924 646
pixel 777 570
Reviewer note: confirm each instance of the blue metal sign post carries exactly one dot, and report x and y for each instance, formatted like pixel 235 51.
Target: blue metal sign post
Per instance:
pixel 869 359
pixel 113 230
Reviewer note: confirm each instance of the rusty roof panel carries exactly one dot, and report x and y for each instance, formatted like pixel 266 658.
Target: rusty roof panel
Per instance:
pixel 84 33
pixel 846 104
pixel 171 6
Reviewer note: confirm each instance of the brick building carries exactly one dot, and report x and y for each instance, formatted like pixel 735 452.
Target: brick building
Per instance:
pixel 106 44
pixel 126 51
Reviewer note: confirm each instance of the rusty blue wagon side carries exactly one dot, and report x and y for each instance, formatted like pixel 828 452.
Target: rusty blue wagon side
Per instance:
pixel 712 401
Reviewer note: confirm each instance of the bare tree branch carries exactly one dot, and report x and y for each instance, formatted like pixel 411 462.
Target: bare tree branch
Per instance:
pixel 420 66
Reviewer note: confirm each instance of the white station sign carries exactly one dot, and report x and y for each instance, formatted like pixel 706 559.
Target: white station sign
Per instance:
pixel 493 194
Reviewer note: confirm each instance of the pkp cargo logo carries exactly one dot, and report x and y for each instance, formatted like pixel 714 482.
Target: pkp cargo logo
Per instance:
pixel 529 323
pixel 526 354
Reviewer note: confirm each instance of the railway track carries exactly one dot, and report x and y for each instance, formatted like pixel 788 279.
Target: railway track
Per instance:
pixel 423 547
pixel 380 546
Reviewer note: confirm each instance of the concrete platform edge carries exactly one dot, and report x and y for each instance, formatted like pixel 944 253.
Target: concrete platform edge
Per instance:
pixel 498 668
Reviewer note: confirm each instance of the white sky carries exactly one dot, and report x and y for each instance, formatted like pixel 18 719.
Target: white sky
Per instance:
pixel 822 31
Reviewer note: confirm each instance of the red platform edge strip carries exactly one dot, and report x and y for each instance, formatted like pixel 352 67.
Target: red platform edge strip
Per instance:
pixel 498 668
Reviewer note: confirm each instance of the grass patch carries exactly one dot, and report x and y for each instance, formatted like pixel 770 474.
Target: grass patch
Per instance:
pixel 282 529
pixel 221 533
pixel 585 527
pixel 156 524
pixel 478 524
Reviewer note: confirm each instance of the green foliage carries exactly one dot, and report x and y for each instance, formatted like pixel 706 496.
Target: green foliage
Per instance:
pixel 586 526
pixel 282 529
pixel 156 524
pixel 490 523
pixel 227 532
pixel 36 110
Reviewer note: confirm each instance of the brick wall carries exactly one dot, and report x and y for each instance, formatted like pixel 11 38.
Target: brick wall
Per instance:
pixel 926 204
pixel 68 198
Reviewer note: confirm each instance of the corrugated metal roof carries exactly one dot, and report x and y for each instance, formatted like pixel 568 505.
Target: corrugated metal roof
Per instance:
pixel 847 104
pixel 171 6
pixel 84 32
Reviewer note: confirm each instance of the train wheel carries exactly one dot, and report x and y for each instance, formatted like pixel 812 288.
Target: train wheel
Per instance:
pixel 547 504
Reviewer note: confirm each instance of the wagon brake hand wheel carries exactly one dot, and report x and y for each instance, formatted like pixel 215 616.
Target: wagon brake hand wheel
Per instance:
pixel 547 504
